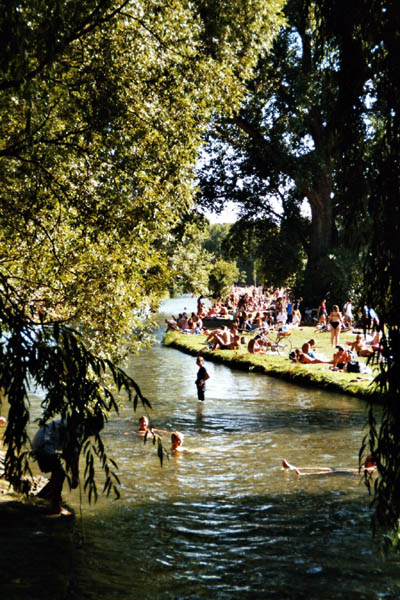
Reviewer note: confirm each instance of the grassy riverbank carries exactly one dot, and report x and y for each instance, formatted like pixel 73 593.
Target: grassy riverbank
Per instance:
pixel 317 375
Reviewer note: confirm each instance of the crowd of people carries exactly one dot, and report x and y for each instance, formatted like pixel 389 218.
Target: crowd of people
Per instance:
pixel 249 309
pixel 258 312
pixel 244 312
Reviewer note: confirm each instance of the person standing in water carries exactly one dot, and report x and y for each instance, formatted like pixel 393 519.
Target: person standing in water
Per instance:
pixel 201 378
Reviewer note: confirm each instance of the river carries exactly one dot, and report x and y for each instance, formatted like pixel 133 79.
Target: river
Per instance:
pixel 224 521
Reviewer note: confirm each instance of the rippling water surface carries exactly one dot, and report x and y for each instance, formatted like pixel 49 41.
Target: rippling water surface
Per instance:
pixel 224 521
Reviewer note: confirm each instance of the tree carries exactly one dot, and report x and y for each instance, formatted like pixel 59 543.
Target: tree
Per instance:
pixel 103 108
pixel 276 257
pixel 368 43
pixel 189 263
pixel 223 276
pixel 380 27
pixel 288 141
pixel 75 382
pixel 215 241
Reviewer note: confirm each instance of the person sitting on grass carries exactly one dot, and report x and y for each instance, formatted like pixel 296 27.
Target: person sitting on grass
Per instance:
pixel 226 339
pixel 172 325
pixel 211 336
pixel 296 319
pixel 368 468
pixel 256 345
pixel 359 347
pixel 341 358
pixel 308 348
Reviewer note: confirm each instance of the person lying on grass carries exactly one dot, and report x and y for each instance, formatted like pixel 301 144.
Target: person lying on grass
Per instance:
pixel 298 356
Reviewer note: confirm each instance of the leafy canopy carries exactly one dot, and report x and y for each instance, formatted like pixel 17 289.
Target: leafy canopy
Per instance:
pixel 102 113
pixel 103 107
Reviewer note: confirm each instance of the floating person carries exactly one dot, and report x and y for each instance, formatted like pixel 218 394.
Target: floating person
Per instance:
pixel 368 467
pixel 201 379
pixel 3 421
pixel 62 438
pixel 143 427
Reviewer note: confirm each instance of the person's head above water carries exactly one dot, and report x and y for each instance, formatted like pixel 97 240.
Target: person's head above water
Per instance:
pixel 200 361
pixel 143 423
pixel 176 439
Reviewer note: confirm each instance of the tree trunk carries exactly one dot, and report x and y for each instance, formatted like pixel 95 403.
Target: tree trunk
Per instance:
pixel 318 279
pixel 323 229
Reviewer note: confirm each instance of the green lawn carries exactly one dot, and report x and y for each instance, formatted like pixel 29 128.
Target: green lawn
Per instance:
pixel 273 364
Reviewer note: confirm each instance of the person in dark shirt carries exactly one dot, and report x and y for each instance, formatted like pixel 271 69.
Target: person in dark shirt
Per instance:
pixel 201 378
pixel 62 439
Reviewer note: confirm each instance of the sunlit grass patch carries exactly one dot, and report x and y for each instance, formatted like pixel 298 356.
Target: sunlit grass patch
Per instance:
pixel 271 363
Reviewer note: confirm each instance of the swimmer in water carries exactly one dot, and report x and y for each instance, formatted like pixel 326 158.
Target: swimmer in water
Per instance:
pixel 176 442
pixel 369 467
pixel 177 447
pixel 143 428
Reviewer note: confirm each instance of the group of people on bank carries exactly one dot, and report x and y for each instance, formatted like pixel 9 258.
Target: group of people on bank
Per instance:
pixel 249 309
pixel 259 311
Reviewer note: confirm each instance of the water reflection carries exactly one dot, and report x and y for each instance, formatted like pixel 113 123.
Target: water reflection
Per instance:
pixel 228 523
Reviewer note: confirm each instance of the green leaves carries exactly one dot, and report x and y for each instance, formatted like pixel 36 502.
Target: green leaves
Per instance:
pixel 103 111
pixel 75 383
pixel 104 105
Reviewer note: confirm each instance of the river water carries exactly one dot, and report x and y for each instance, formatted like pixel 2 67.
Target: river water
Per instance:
pixel 225 521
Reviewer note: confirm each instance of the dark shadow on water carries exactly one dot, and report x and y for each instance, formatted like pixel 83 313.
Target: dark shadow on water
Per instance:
pixel 281 546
